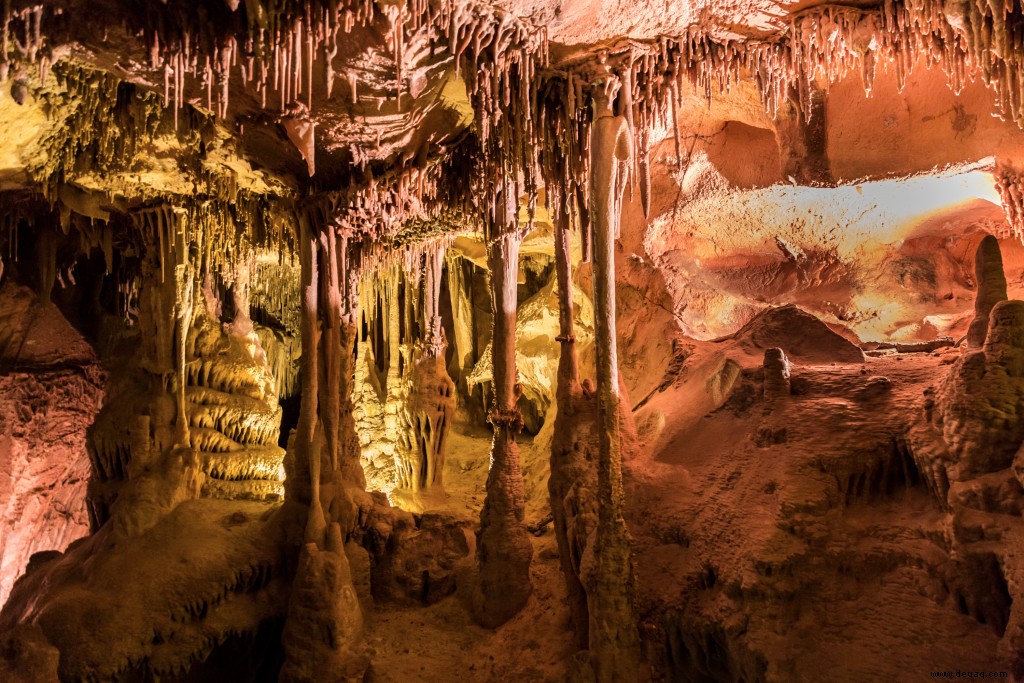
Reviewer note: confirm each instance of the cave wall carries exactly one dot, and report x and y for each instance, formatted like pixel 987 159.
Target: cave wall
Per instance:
pixel 51 388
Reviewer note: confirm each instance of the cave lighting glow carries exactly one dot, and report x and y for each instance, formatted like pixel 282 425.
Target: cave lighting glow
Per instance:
pixel 850 219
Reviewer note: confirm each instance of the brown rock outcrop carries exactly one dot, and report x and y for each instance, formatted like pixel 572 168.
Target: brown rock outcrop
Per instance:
pixel 972 424
pixel 415 559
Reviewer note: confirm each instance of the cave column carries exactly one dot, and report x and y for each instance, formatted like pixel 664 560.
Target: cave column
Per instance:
pixel 567 459
pixel 184 286
pixel 504 548
pixel 304 480
pixel 324 616
pixel 348 439
pixel 614 643
pixel 462 317
pixel 568 362
pixel 330 347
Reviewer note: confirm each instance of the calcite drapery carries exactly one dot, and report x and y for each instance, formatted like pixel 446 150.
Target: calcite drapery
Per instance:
pixel 194 382
pixel 431 402
pixel 407 397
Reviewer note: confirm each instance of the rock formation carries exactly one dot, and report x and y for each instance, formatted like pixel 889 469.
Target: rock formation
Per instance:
pixel 319 323
pixel 503 546
pixel 776 374
pixel 991 283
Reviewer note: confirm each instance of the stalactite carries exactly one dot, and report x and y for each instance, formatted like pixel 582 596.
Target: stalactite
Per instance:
pixel 1010 185
pixel 503 546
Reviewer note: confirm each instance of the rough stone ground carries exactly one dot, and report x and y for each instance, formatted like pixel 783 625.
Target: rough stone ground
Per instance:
pixel 797 538
pixel 441 642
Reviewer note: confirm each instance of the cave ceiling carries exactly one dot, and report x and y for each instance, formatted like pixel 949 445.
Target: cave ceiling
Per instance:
pixel 357 105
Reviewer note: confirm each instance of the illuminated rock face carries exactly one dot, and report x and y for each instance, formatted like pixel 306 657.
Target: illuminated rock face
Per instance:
pixel 50 388
pixel 516 340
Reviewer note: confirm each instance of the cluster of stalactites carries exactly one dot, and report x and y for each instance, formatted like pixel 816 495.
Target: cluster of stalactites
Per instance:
pixel 500 63
pixel 218 241
pixel 968 40
pixel 414 203
pixel 822 45
pixel 532 121
pixel 288 48
pixel 415 269
pixel 22 42
pixel 1010 185
pixel 108 126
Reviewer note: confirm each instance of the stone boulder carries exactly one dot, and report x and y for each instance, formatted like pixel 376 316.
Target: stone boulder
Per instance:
pixel 415 558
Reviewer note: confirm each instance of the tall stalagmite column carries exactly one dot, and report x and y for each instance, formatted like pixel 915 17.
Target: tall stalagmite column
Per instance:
pixel 330 346
pixel 324 616
pixel 573 419
pixel 504 547
pixel 349 464
pixel 991 283
pixel 614 642
pixel 568 362
pixel 304 479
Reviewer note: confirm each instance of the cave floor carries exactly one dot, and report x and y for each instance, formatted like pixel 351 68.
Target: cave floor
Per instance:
pixel 807 512
pixel 442 642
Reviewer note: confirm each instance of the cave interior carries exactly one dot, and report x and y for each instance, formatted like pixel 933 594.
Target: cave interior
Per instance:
pixel 511 340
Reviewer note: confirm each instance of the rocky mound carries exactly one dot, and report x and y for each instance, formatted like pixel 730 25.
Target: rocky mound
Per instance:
pixel 803 337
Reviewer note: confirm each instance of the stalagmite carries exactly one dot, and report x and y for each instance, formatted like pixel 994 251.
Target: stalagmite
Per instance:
pixel 991 284
pixel 614 641
pixel 503 545
pixel 776 374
